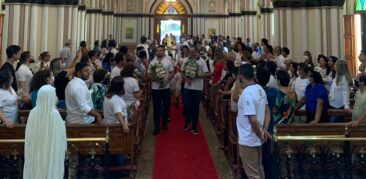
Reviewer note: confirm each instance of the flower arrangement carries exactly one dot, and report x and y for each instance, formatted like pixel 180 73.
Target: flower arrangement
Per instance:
pixel 159 73
pixel 190 69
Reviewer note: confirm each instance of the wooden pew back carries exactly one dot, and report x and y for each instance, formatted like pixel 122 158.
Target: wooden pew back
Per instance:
pixel 119 142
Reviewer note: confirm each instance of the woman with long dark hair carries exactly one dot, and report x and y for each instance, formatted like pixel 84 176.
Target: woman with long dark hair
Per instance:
pixel 316 99
pixel 308 59
pixel 340 90
pixel 293 74
pixel 42 77
pixel 115 108
pixel 8 99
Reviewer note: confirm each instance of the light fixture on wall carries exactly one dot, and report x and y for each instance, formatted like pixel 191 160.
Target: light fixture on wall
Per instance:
pixel 170 0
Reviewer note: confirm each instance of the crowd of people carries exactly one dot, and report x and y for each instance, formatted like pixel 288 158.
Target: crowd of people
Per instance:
pixel 264 85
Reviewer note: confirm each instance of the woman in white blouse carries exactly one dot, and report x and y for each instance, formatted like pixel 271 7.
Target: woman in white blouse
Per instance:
pixel 8 100
pixel 131 85
pixel 114 107
pixel 340 89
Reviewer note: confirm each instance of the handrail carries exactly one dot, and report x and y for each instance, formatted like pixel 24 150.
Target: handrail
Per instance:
pixel 318 138
pixel 87 139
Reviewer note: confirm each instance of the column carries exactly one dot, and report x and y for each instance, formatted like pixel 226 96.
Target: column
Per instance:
pixel 289 29
pixel 44 43
pixel 341 36
pixel 33 29
pixel 5 35
pixel 16 22
pixel 60 20
pixel 26 27
pixel 277 28
pixel 324 31
pixel 70 22
pixel 318 31
pixel 334 31
pixel 100 26
pixel 305 30
pixel 315 26
pixel 74 34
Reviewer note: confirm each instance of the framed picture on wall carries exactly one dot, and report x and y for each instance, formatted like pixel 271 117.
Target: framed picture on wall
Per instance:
pixel 129 33
pixel 211 31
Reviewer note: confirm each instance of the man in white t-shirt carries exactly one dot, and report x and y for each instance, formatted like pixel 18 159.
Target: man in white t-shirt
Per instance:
pixel 279 59
pixel 24 74
pixel 252 122
pixel 193 88
pixel 160 88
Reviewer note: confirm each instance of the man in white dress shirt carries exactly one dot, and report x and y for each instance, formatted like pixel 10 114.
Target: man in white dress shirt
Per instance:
pixel 78 99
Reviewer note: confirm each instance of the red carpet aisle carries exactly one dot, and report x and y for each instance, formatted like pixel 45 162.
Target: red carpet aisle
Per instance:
pixel 180 154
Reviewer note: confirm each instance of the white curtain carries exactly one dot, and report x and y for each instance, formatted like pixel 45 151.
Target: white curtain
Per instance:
pixel 45 138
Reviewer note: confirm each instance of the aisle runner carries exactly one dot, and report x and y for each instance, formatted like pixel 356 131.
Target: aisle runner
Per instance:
pixel 180 154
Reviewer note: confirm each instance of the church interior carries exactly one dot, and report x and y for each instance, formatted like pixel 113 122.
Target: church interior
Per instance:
pixel 182 89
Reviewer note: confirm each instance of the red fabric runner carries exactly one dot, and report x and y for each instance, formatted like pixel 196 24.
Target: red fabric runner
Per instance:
pixel 180 154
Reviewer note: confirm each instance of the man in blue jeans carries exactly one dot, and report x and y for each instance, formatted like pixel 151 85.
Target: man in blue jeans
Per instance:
pixel 193 88
pixel 160 89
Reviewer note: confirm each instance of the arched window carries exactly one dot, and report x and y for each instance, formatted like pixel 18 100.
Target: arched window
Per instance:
pixel 360 5
pixel 170 8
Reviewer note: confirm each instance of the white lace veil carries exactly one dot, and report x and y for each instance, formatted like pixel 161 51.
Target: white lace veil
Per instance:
pixel 45 138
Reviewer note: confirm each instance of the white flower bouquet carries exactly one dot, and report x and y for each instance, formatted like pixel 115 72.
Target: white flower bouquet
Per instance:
pixel 159 73
pixel 190 69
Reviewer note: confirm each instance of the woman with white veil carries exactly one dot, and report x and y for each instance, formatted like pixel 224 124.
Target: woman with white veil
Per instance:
pixel 45 138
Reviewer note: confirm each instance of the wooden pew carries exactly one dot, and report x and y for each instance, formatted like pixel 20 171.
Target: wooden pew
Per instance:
pixel 233 152
pixel 119 142
pixel 331 112
pixel 223 119
pixel 315 149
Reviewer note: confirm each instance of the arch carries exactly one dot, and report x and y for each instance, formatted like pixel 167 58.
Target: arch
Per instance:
pixel 185 3
pixel 167 8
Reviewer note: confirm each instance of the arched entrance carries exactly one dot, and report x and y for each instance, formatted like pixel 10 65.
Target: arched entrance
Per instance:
pixel 170 17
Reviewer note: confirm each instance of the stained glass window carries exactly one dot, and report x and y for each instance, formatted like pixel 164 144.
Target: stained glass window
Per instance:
pixel 170 10
pixel 360 5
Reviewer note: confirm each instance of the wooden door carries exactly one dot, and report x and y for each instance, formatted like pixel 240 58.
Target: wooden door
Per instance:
pixel 349 43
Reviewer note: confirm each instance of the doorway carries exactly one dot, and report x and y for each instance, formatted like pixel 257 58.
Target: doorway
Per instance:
pixel 170 17
pixel 170 28
pixel 163 25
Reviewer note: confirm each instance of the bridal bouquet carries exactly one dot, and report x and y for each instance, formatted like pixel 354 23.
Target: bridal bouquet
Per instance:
pixel 159 73
pixel 190 69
